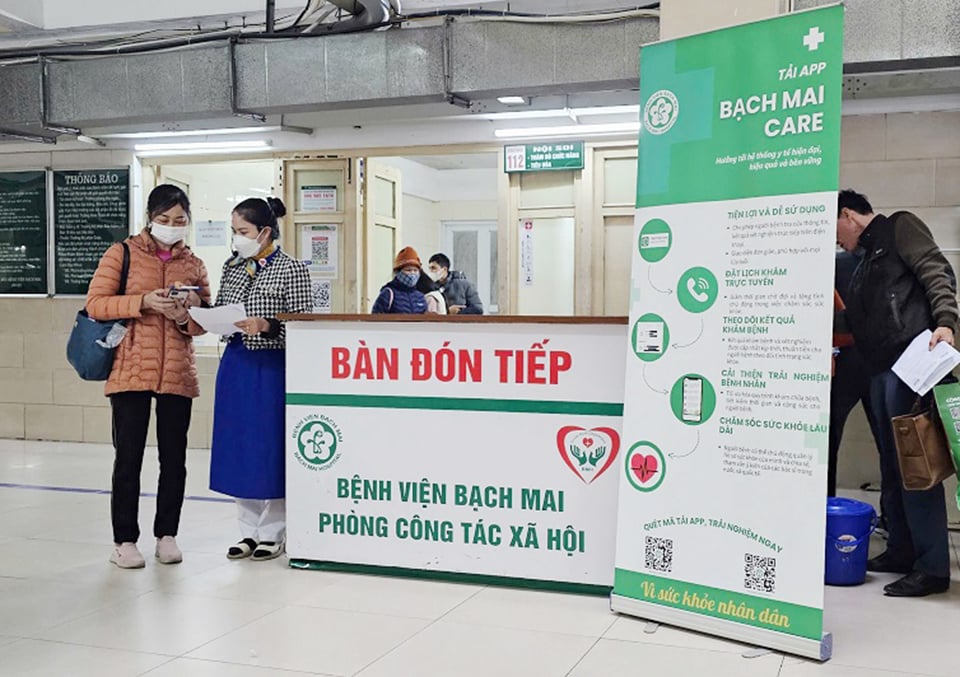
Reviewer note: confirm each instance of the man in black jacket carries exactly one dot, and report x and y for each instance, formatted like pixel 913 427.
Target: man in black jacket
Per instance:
pixel 850 384
pixel 460 294
pixel 903 286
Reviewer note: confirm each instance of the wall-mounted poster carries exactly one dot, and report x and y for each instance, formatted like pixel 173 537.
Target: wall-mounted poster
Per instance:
pixel 210 233
pixel 526 253
pixel 322 300
pixel 23 233
pixel 318 198
pixel 319 248
pixel 91 211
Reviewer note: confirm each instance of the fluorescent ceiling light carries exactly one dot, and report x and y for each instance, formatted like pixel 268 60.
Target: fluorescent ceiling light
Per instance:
pixel 569 130
pixel 607 110
pixel 526 114
pixel 201 147
pixel 189 132
pixel 572 113
pixel 174 153
pixel 83 138
pixel 513 100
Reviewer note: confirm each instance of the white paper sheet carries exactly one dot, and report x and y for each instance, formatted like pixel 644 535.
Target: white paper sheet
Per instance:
pixel 922 368
pixel 219 320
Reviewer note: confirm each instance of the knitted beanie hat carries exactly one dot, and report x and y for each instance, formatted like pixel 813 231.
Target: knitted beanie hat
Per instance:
pixel 406 257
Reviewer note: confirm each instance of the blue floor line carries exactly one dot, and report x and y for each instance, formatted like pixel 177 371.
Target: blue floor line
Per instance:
pixel 81 490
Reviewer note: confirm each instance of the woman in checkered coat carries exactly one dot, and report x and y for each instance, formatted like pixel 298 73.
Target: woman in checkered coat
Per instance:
pixel 248 417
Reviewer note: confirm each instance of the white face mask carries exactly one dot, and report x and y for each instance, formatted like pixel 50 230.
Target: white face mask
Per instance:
pixel 168 235
pixel 246 247
pixel 435 275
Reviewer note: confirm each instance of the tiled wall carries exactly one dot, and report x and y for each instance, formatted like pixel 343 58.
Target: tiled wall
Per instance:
pixel 42 398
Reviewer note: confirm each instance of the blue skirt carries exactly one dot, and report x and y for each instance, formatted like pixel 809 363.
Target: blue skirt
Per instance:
pixel 247 453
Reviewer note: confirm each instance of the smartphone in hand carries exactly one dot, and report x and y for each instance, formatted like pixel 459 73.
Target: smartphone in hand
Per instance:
pixel 181 293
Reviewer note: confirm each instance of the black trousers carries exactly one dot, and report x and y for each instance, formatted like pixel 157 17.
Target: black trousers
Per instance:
pixel 850 384
pixel 916 520
pixel 131 418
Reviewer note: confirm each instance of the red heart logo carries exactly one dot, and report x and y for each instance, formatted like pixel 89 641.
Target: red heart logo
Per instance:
pixel 568 441
pixel 644 468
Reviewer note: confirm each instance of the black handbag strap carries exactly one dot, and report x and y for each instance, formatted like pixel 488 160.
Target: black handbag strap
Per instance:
pixel 124 269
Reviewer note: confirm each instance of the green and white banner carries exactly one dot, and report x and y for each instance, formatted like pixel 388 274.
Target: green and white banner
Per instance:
pixel 721 506
pixel 482 448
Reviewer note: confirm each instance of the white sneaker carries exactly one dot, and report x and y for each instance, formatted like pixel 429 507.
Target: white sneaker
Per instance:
pixel 126 556
pixel 167 551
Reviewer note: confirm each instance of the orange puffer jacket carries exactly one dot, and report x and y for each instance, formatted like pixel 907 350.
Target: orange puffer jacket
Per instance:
pixel 156 355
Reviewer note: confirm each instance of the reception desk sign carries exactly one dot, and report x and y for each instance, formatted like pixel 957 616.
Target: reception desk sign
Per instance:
pixel 482 449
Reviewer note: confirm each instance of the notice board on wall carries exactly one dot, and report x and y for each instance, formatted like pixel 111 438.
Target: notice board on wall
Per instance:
pixel 23 232
pixel 91 211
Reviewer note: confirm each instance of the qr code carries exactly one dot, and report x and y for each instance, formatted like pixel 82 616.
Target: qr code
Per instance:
pixel 321 295
pixel 659 554
pixel 320 251
pixel 955 413
pixel 956 426
pixel 759 573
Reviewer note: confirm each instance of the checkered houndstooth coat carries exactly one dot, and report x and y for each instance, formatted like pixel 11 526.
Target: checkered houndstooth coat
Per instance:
pixel 280 286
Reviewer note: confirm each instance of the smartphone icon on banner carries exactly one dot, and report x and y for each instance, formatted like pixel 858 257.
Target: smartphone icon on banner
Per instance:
pixel 649 337
pixel 692 404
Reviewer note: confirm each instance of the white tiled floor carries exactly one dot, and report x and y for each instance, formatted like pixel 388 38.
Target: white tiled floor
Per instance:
pixel 65 611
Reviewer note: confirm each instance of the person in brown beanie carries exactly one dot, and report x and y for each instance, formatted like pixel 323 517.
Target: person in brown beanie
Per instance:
pixel 400 295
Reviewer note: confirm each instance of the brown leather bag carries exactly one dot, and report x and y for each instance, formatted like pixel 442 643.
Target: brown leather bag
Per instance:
pixel 922 449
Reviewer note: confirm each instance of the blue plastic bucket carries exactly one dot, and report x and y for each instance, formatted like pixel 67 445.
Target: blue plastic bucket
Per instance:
pixel 849 525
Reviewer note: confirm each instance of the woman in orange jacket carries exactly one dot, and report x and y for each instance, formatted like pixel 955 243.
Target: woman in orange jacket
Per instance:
pixel 155 361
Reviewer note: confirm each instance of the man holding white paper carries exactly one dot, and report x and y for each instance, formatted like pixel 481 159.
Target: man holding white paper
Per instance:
pixel 904 286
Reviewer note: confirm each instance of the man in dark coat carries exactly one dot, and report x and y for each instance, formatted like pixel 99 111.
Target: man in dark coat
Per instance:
pixel 903 287
pixel 459 292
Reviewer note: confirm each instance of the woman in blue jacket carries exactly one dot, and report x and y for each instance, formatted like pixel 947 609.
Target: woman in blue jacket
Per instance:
pixel 400 295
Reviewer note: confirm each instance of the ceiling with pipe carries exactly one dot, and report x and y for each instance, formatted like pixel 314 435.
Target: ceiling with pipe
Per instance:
pixel 355 73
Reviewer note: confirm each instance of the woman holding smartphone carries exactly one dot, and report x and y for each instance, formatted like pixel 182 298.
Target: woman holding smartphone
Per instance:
pixel 154 362
pixel 248 421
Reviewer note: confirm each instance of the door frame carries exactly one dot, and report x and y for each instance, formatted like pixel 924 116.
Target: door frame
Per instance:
pixel 373 279
pixel 343 290
pixel 601 210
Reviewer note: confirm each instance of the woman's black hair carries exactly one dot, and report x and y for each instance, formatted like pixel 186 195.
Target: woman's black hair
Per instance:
pixel 164 197
pixel 262 213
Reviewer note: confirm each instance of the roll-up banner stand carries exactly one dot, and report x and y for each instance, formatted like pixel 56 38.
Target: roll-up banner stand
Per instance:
pixel 721 512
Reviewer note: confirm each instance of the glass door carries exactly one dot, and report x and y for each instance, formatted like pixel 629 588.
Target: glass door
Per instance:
pixel 472 248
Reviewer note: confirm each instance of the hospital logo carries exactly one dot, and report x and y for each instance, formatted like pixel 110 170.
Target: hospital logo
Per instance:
pixel 318 441
pixel 661 112
pixel 588 453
